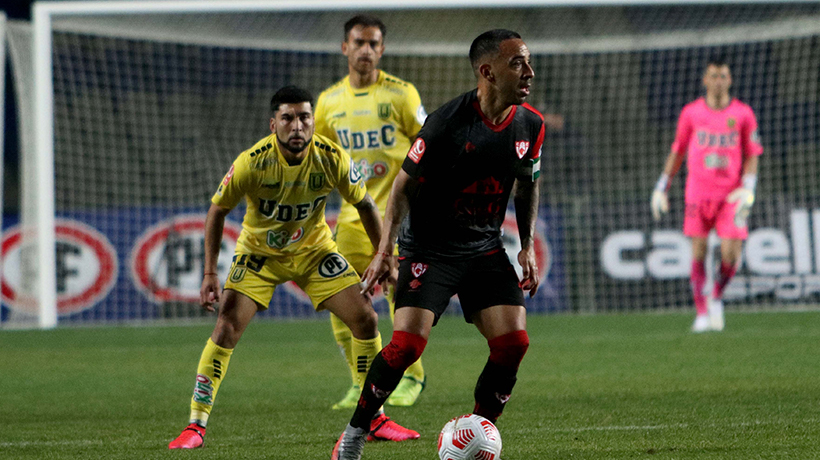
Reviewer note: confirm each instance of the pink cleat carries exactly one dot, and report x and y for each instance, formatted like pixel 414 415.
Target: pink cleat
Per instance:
pixel 384 429
pixel 191 437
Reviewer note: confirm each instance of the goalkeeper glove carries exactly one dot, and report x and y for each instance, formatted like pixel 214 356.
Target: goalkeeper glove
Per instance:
pixel 660 202
pixel 744 197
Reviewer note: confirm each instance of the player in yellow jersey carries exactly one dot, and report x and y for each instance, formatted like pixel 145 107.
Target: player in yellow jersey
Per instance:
pixel 285 178
pixel 374 116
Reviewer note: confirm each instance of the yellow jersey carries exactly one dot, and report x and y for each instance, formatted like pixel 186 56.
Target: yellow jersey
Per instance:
pixel 376 125
pixel 286 204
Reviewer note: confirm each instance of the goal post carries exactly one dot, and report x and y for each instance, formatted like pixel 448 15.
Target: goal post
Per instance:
pixel 44 147
pixel 139 107
pixel 2 123
pixel 20 270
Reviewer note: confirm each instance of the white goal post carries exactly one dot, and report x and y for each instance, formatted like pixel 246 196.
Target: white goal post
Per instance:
pixel 140 20
pixel 3 23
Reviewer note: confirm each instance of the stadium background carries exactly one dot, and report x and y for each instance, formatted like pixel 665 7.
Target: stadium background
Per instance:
pixel 146 128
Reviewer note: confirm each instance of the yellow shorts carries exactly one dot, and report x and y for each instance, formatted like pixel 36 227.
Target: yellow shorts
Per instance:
pixel 321 273
pixel 354 243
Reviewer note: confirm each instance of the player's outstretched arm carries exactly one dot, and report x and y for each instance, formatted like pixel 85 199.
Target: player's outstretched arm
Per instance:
pixel 209 293
pixel 526 215
pixel 383 268
pixel 660 198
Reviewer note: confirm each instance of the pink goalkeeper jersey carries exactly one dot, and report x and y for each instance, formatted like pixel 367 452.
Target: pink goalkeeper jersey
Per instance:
pixel 716 142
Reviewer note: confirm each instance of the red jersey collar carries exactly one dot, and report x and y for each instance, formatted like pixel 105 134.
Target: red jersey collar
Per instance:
pixel 499 127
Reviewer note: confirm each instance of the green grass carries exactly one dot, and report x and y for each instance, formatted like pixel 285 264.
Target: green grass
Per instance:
pixel 591 387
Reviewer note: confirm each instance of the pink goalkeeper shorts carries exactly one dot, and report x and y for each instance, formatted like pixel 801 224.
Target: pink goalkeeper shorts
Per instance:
pixel 702 216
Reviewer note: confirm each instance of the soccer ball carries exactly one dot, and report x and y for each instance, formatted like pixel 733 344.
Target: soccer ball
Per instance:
pixel 469 437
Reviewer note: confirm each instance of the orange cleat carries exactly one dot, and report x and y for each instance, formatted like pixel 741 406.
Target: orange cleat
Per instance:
pixel 191 437
pixel 334 454
pixel 384 429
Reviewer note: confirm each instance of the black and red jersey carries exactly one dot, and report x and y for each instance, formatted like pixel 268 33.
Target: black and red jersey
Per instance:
pixel 466 167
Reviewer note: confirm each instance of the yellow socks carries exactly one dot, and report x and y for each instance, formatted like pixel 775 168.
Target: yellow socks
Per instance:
pixel 344 338
pixel 363 352
pixel 416 371
pixel 212 368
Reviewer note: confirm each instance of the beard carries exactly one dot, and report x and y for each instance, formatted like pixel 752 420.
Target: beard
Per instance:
pixel 293 149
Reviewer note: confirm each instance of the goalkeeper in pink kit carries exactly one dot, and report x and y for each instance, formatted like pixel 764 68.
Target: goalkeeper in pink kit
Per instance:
pixel 717 134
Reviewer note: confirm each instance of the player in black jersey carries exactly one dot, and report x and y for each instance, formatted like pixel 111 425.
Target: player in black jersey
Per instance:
pixel 453 187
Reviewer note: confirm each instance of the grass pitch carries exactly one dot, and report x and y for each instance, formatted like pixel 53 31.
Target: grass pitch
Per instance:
pixel 591 387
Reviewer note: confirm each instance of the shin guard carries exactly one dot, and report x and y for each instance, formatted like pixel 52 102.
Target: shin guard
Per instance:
pixel 498 378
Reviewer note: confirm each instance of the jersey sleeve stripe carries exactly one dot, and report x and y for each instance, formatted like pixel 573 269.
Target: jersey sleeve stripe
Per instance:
pixel 536 149
pixel 533 110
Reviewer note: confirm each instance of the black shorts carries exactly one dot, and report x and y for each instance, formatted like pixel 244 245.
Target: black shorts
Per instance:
pixel 480 282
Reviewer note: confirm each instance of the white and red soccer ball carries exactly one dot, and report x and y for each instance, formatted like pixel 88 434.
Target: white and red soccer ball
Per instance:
pixel 469 437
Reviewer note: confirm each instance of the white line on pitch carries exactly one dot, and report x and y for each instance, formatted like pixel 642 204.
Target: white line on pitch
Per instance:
pixel 229 439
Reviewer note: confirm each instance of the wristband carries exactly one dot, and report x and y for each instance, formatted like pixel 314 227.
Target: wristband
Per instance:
pixel 663 183
pixel 750 181
pixel 210 273
pixel 385 254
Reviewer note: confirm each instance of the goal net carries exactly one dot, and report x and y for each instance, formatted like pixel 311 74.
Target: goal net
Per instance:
pixel 151 108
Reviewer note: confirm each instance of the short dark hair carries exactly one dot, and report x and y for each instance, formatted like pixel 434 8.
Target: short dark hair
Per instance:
pixel 290 95
pixel 717 62
pixel 364 20
pixel 489 42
